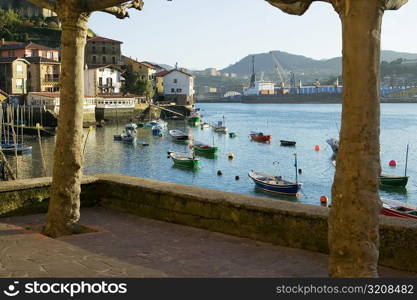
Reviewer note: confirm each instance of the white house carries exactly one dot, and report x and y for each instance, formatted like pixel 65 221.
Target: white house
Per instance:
pixel 179 87
pixel 102 80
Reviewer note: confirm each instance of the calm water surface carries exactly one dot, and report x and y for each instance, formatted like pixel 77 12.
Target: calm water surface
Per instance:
pixel 308 124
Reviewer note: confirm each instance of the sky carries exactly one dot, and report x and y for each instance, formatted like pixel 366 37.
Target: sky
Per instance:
pixel 199 34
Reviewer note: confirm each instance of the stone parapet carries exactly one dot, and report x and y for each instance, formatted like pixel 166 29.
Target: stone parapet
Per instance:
pixel 279 222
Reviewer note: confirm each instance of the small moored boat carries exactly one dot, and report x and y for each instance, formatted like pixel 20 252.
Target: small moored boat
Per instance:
pixel 260 137
pixel 393 180
pixel 204 148
pixel 276 184
pixel 393 208
pixel 9 149
pixel 287 143
pixel 184 159
pixel 131 126
pixel 180 136
pixel 334 144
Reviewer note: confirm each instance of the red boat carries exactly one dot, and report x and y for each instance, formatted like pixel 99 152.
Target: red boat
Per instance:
pixel 398 209
pixel 260 137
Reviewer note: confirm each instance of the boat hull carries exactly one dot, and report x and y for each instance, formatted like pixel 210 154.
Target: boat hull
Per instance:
pixel 19 150
pixel 396 181
pixel 288 143
pixel 208 150
pixel 290 189
pixel 261 138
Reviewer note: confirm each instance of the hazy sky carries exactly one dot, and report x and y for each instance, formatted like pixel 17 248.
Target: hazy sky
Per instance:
pixel 215 33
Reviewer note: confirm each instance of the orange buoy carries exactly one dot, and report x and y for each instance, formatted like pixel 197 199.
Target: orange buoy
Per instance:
pixel 393 163
pixel 323 200
pixel 317 148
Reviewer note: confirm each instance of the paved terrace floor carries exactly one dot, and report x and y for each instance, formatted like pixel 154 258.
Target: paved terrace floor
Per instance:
pixel 130 246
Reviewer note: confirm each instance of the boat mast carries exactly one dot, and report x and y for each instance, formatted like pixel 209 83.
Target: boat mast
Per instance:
pixel 296 167
pixel 406 161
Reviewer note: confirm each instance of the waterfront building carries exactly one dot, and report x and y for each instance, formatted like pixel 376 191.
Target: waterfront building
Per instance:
pixel 178 87
pixel 29 49
pixel 48 103
pixel 159 79
pixel 102 80
pixel 116 107
pixel 13 75
pixel 144 69
pixel 102 51
pixel 26 9
pixel 43 74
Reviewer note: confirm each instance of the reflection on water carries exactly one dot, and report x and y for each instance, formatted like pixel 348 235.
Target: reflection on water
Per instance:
pixel 307 124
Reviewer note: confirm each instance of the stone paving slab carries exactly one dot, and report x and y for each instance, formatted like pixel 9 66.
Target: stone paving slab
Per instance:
pixel 129 246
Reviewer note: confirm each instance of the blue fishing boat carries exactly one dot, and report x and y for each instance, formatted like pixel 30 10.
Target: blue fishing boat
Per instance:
pixel 9 149
pixel 276 184
pixel 156 130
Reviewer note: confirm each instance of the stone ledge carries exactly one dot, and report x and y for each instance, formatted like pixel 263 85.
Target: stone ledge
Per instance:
pixel 279 222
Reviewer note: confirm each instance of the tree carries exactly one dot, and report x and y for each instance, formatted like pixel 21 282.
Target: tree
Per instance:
pixel 64 205
pixel 135 84
pixel 353 219
pixel 9 19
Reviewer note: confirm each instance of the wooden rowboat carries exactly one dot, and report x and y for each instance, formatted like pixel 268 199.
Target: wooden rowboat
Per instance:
pixel 393 208
pixel 184 159
pixel 287 143
pixel 260 137
pixel 204 148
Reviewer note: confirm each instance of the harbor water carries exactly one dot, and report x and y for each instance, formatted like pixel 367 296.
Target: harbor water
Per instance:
pixel 307 124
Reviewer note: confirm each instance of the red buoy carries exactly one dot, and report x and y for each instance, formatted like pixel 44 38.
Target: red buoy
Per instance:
pixel 393 163
pixel 323 200
pixel 317 148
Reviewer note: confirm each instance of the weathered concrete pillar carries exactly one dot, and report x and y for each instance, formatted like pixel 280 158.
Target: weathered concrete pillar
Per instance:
pixel 353 221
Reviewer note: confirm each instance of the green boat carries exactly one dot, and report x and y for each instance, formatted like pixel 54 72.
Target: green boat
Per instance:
pixel 184 160
pixel 392 180
pixel 204 148
pixel 232 134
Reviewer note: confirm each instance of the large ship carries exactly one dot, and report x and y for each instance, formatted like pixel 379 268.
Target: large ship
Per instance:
pixel 261 91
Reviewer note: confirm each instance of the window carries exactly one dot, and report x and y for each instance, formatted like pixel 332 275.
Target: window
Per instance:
pixel 113 60
pixel 19 84
pixel 100 81
pixel 33 52
pixel 94 59
pixel 94 49
pixel 175 80
pixel 104 59
pixel 49 55
pixel 19 68
pixel 109 81
pixel 103 50
pixel 172 90
pixel 179 90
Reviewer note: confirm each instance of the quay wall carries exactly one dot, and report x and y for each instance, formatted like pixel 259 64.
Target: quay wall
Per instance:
pixel 279 222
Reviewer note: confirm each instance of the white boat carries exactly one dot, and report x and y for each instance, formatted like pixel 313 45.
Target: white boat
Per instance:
pixel 178 135
pixel 131 126
pixel 219 127
pixel 159 122
pixel 334 144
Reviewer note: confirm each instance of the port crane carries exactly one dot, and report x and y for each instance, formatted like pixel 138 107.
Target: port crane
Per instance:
pixel 279 69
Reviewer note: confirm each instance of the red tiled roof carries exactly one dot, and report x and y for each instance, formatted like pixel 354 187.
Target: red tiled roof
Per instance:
pixel 17 45
pixel 103 40
pixel 162 73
